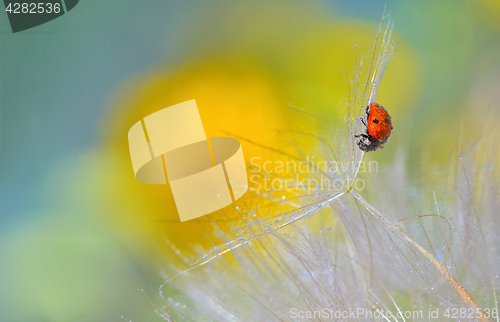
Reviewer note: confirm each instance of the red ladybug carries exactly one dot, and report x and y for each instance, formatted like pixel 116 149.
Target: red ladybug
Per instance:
pixel 378 128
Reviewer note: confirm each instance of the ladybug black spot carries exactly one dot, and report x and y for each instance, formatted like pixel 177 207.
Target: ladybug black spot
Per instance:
pixel 387 120
pixel 375 121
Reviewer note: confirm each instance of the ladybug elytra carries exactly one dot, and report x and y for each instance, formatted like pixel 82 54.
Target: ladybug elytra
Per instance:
pixel 378 128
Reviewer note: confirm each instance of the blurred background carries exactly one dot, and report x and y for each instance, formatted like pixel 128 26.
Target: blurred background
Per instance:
pixel 79 236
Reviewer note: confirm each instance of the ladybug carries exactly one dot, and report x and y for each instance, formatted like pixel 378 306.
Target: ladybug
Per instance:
pixel 378 128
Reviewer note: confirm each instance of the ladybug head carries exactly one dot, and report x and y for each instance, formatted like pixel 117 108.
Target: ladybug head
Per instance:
pixel 369 144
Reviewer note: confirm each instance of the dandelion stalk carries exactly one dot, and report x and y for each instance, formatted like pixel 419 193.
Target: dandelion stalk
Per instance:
pixel 462 292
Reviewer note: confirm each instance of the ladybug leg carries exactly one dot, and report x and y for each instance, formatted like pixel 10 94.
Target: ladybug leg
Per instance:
pixel 362 121
pixel 361 135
